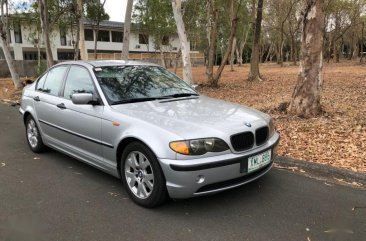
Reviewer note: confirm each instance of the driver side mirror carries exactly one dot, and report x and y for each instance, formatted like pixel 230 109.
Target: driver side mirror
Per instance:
pixel 84 99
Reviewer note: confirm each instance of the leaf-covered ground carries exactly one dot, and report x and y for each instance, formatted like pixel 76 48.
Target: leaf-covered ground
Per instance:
pixel 337 138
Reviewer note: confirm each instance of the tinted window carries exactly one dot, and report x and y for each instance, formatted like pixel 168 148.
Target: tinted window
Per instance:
pixel 54 79
pixel 78 81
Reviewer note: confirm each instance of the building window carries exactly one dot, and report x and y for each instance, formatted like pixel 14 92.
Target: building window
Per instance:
pixel 17 33
pixel 117 36
pixel 30 55
pixel 63 37
pixel 143 39
pixel 89 35
pixel 103 36
pixel 33 55
pixel 2 56
pixel 65 55
pixel 165 40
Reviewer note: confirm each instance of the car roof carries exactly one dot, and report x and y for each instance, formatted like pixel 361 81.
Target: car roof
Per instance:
pixel 103 63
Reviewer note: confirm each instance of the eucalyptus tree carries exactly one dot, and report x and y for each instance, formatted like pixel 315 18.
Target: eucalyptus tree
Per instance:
pixel 127 30
pixel 306 96
pixel 185 48
pixel 156 19
pixel 43 14
pixel 96 13
pixel 4 41
pixel 254 74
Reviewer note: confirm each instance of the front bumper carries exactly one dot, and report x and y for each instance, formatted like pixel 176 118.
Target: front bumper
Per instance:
pixel 184 177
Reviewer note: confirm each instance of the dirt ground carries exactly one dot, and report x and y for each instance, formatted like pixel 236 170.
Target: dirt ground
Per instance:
pixel 337 138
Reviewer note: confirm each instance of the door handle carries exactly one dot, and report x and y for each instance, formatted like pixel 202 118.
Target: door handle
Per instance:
pixel 61 106
pixel 36 98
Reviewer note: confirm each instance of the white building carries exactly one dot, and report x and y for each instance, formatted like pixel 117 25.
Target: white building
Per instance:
pixel 24 41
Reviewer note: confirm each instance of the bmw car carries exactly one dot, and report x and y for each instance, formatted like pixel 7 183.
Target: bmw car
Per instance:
pixel 141 123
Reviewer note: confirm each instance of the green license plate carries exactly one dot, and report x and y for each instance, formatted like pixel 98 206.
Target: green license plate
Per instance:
pixel 258 161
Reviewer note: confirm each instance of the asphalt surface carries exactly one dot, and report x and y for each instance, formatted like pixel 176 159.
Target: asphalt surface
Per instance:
pixel 54 197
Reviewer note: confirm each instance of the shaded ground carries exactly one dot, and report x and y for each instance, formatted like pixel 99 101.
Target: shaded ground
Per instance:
pixel 337 138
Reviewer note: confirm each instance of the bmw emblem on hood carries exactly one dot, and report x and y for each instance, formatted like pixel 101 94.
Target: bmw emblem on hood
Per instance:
pixel 248 124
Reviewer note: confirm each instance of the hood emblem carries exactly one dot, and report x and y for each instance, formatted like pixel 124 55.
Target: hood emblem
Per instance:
pixel 248 124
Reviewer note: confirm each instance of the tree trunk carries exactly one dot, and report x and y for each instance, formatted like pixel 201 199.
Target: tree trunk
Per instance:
pixel 127 30
pixel 77 40
pixel 216 77
pixel 96 42
pixel 83 54
pixel 362 33
pixel 176 61
pixel 162 57
pixel 186 58
pixel 43 12
pixel 232 55
pixel 306 96
pixel 5 47
pixel 212 27
pixel 254 74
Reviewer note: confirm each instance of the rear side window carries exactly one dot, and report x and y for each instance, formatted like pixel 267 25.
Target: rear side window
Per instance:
pixel 78 81
pixel 41 81
pixel 54 80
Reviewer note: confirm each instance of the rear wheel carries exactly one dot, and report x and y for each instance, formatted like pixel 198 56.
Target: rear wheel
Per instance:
pixel 142 175
pixel 33 134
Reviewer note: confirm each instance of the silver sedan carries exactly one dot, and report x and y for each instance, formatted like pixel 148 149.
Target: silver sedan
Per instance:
pixel 144 125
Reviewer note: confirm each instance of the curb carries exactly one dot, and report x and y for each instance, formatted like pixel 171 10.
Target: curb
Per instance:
pixel 323 171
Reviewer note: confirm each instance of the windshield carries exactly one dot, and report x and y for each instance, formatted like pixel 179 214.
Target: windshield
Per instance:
pixel 121 84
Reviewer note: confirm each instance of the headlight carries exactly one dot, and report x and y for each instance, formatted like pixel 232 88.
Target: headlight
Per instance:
pixel 271 128
pixel 198 146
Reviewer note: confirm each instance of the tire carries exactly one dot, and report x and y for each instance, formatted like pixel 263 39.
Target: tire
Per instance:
pixel 33 135
pixel 142 176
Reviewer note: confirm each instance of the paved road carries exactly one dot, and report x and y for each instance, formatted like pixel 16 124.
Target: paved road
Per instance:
pixel 54 197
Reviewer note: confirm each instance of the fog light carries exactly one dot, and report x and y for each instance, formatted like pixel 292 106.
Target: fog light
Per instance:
pixel 200 179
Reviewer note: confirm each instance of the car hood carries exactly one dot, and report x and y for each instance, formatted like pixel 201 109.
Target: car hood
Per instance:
pixel 195 117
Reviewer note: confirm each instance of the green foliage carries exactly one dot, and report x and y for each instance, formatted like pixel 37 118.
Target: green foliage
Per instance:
pixel 41 67
pixel 154 17
pixel 95 11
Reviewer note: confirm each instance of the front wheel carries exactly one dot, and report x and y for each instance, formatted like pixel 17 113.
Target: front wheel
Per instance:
pixel 33 134
pixel 142 176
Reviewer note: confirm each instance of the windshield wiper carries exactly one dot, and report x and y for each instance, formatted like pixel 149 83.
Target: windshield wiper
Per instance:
pixel 135 100
pixel 181 95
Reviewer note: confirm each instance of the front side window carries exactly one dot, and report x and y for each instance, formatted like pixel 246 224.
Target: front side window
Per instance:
pixel 54 80
pixel 123 83
pixel 78 81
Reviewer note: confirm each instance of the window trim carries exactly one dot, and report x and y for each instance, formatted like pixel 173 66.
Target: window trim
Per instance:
pixel 62 81
pixel 62 90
